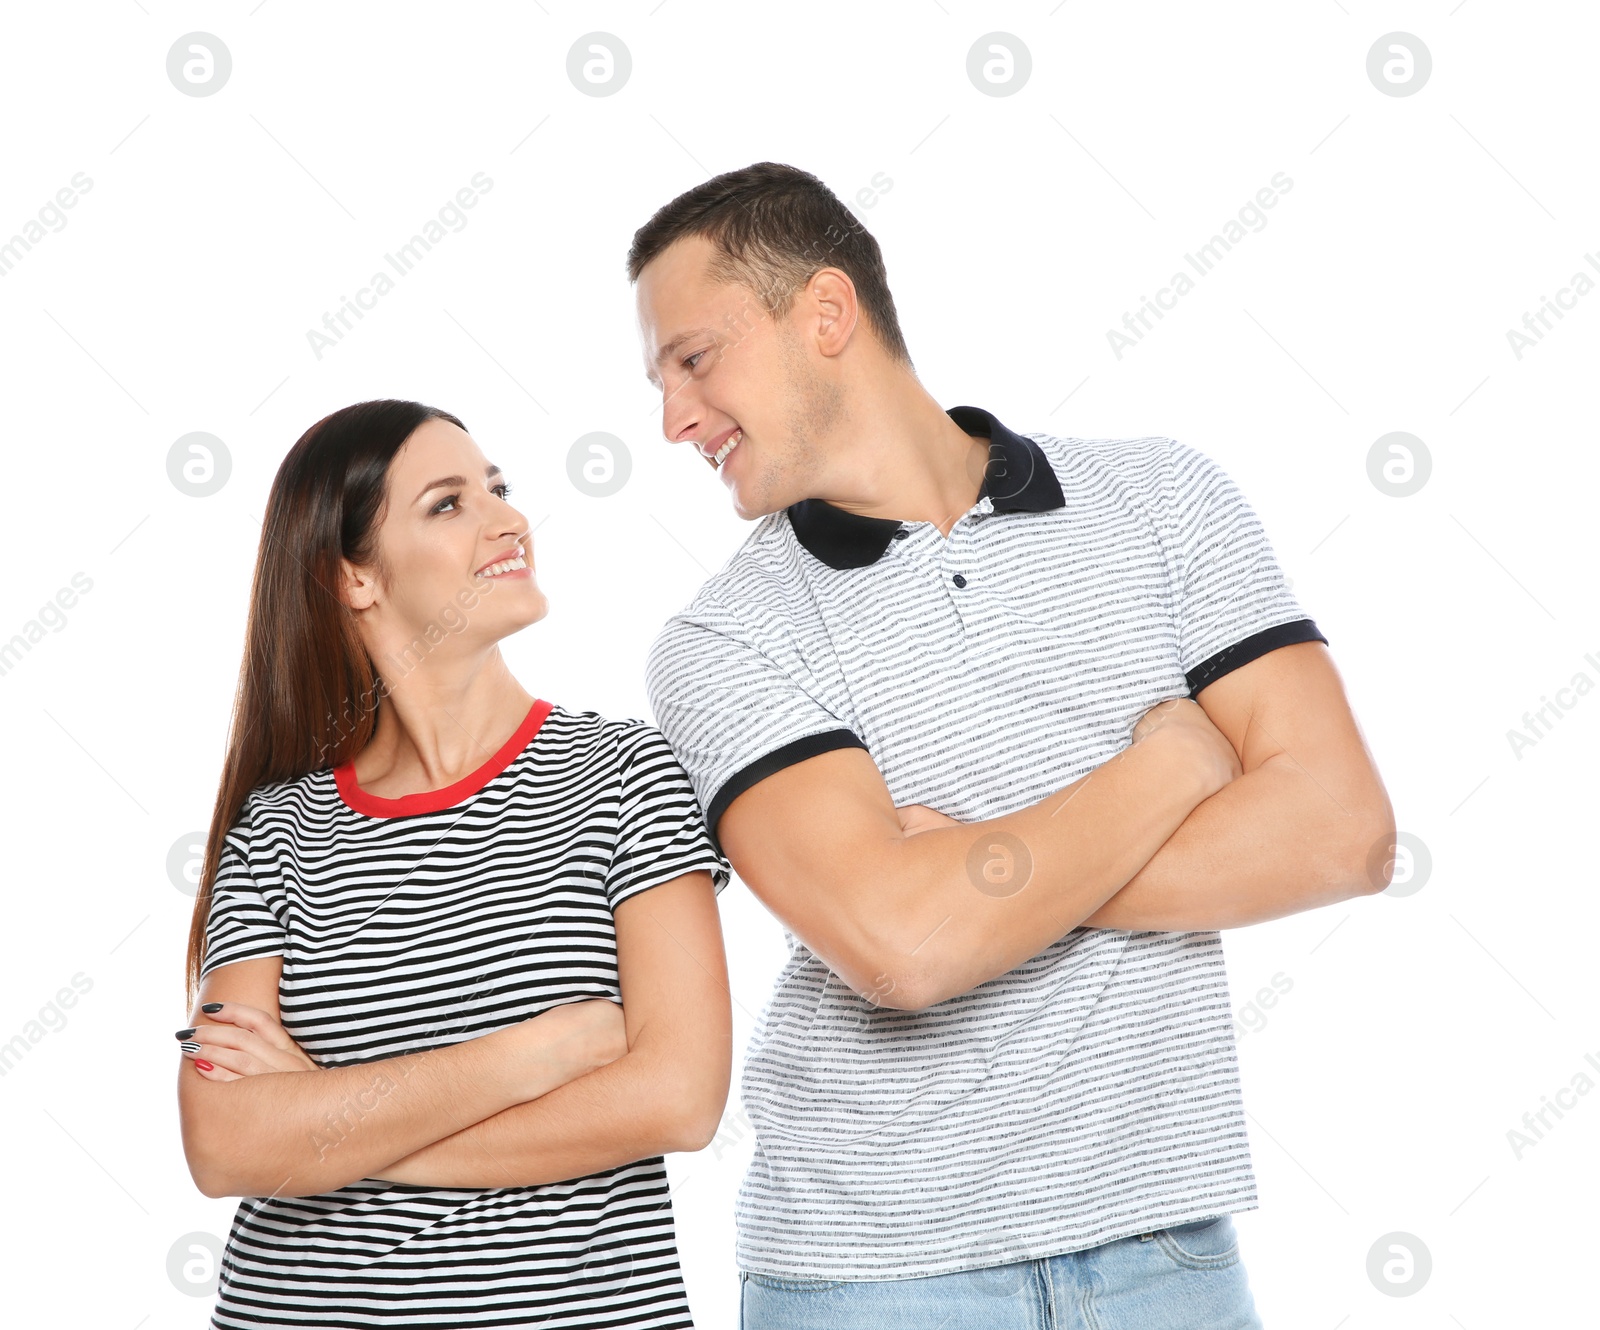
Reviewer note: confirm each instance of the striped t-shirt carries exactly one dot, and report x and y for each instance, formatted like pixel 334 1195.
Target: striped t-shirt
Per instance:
pixel 1093 1092
pixel 412 923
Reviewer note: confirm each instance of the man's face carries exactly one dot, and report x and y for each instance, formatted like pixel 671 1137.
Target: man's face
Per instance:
pixel 729 373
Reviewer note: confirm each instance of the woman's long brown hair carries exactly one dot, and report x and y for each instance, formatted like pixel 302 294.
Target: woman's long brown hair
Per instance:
pixel 308 694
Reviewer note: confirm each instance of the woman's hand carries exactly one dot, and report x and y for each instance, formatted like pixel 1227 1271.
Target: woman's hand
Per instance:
pixel 554 1047
pixel 558 1045
pixel 565 1042
pixel 242 1041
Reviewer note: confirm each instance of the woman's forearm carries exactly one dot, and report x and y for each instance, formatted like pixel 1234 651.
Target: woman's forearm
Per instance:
pixel 302 1133
pixel 650 1102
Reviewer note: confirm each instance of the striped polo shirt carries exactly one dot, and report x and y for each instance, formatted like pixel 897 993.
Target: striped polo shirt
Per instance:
pixel 412 923
pixel 1093 1092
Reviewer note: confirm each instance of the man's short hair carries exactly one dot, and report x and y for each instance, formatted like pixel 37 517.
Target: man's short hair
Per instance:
pixel 773 227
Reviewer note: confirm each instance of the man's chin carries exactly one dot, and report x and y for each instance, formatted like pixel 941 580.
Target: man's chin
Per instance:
pixel 751 506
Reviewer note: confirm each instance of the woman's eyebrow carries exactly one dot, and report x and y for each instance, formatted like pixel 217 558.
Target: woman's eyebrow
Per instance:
pixel 444 481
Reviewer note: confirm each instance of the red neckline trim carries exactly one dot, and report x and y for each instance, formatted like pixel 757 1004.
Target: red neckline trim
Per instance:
pixel 432 801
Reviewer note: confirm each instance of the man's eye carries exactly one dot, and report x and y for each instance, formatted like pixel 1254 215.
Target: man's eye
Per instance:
pixel 689 360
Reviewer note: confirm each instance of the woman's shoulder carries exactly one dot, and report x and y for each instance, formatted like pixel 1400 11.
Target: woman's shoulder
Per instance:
pixel 292 793
pixel 588 733
pixel 593 726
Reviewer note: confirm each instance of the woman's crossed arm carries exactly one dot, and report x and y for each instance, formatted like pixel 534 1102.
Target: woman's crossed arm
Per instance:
pixel 305 1130
pixel 555 1097
pixel 666 1093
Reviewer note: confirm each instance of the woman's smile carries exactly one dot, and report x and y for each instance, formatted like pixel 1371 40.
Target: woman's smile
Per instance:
pixel 506 566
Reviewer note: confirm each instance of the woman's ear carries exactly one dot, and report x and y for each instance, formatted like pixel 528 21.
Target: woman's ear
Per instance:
pixel 358 587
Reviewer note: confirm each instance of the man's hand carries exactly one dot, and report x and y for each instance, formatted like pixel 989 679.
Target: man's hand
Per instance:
pixel 1185 722
pixel 1186 719
pixel 919 817
pixel 1294 832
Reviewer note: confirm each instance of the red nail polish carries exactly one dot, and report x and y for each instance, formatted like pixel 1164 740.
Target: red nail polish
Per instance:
pixel 203 1065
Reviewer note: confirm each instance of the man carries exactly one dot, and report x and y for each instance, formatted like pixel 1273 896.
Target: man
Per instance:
pixel 997 1075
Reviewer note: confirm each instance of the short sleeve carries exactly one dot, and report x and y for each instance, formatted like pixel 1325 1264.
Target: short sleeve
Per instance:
pixel 732 716
pixel 661 833
pixel 1234 603
pixel 241 925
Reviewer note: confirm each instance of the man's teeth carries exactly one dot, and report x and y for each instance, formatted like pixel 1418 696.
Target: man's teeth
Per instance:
pixel 729 446
pixel 504 566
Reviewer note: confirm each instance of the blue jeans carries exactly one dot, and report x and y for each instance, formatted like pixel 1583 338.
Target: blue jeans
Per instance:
pixel 1183 1278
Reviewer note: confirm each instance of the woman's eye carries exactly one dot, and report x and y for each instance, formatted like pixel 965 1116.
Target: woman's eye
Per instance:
pixel 452 501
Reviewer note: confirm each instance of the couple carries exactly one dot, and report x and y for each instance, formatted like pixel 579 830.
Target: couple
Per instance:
pixel 1001 727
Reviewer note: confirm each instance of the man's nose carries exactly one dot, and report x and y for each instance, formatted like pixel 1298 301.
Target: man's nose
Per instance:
pixel 679 418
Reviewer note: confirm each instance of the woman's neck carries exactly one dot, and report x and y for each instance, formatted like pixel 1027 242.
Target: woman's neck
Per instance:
pixel 438 725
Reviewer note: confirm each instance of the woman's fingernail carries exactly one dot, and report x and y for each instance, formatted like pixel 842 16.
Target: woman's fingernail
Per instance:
pixel 184 1034
pixel 189 1046
pixel 203 1065
pixel 211 1008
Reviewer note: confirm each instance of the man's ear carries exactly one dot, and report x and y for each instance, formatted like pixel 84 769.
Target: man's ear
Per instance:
pixel 358 587
pixel 835 310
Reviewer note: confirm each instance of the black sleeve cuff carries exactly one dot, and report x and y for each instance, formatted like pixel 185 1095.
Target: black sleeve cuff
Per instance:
pixel 775 761
pixel 1253 647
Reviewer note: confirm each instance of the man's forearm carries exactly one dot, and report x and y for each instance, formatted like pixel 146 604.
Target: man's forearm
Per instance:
pixel 975 901
pixel 646 1103
pixel 1271 843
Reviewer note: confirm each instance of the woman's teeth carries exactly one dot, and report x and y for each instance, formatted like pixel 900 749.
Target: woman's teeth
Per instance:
pixel 729 446
pixel 504 566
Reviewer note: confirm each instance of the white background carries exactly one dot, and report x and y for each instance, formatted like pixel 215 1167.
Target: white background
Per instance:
pixel 1417 1030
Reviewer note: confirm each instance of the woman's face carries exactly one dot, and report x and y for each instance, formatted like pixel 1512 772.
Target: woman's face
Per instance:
pixel 454 570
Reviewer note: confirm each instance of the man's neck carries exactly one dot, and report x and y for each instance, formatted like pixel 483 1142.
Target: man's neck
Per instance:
pixel 901 456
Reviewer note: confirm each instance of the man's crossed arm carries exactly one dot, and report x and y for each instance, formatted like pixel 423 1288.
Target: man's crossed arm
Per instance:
pixel 1309 822
pixel 1154 839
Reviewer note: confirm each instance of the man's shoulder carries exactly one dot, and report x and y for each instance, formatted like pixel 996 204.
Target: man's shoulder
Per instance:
pixel 763 563
pixel 1147 472
pixel 1132 457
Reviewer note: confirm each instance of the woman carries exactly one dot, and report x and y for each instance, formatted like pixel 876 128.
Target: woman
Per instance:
pixel 424 893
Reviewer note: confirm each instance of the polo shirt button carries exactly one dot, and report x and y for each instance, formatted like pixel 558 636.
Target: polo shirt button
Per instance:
pixel 901 534
pixel 959 580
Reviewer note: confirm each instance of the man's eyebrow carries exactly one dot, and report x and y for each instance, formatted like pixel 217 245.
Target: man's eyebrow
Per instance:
pixel 444 481
pixel 669 349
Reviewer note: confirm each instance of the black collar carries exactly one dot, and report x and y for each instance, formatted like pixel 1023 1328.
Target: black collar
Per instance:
pixel 1018 479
